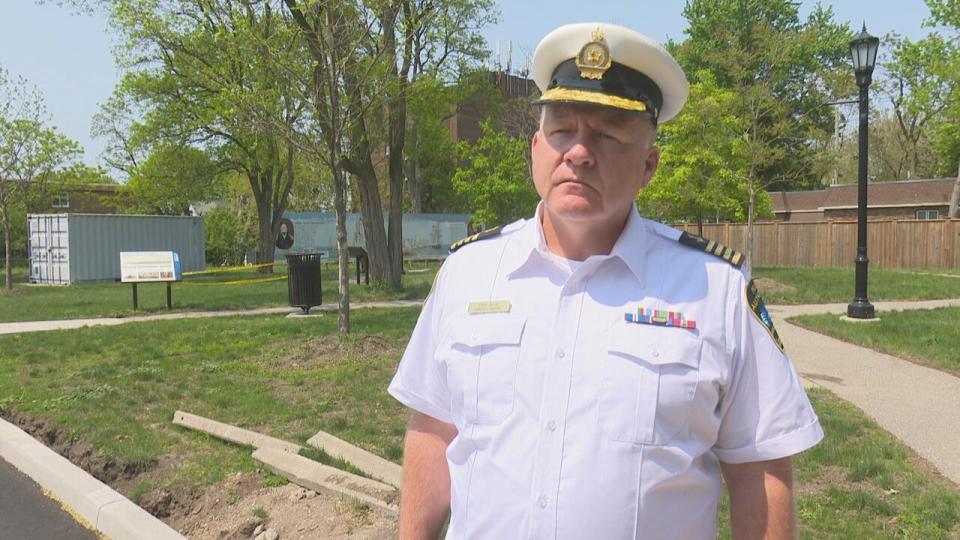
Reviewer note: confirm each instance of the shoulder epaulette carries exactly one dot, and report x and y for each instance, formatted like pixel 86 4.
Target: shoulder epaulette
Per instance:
pixel 482 235
pixel 714 248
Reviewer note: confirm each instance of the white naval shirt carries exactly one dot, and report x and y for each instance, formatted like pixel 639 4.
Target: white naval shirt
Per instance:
pixel 575 423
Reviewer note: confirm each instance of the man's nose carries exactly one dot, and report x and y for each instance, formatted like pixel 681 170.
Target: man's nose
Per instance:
pixel 579 154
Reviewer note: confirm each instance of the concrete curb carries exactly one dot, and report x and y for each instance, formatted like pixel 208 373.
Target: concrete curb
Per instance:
pixel 323 478
pixel 107 511
pixel 234 434
pixel 372 464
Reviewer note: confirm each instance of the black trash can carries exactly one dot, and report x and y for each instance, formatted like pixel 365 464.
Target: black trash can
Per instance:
pixel 303 280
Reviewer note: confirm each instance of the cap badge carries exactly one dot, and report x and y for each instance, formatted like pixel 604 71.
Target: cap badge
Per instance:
pixel 594 57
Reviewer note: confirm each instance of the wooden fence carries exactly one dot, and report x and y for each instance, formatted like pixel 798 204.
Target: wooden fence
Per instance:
pixel 931 244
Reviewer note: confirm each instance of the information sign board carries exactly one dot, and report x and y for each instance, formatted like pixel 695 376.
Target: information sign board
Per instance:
pixel 147 266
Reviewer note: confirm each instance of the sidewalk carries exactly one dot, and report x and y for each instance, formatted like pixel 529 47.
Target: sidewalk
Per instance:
pixel 42 326
pixel 916 404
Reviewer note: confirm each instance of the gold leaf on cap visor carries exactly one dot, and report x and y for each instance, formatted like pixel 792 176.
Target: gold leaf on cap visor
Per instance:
pixel 585 96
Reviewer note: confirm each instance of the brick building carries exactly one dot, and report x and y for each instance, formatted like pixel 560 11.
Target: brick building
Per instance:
pixel 906 199
pixel 79 199
pixel 465 125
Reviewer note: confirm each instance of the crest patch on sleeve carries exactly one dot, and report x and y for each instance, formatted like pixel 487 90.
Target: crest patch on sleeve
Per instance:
pixel 759 310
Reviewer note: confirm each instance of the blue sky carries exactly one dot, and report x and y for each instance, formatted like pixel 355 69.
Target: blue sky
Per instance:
pixel 68 57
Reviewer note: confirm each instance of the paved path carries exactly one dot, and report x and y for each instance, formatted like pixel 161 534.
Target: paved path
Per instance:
pixel 27 514
pixel 42 326
pixel 919 405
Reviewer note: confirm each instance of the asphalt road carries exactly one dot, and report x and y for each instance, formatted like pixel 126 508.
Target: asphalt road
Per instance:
pixel 27 514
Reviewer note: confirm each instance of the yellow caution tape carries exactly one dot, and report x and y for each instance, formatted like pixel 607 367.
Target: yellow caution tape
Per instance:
pixel 228 269
pixel 237 281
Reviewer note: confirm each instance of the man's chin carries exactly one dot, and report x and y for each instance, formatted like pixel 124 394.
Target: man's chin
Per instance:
pixel 572 208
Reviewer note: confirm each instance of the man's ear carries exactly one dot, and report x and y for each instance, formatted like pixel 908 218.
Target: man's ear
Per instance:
pixel 650 165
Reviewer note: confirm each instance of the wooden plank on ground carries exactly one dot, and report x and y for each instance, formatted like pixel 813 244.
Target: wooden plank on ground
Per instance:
pixel 371 464
pixel 232 434
pixel 319 477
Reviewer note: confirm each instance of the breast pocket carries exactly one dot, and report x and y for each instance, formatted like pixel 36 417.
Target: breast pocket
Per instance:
pixel 481 359
pixel 649 379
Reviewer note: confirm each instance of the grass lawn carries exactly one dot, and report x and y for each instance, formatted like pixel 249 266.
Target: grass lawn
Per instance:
pixel 117 388
pixel 213 292
pixel 860 482
pixel 805 285
pixel 779 286
pixel 927 336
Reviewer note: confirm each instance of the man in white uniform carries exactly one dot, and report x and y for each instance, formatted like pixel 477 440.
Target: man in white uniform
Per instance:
pixel 589 373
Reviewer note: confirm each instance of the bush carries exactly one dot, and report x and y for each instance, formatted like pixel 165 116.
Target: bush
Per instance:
pixel 226 237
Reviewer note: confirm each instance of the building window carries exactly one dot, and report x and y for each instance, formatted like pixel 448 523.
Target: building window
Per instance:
pixel 61 200
pixel 928 214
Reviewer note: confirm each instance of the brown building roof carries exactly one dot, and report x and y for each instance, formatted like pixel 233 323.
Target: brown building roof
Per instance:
pixel 932 192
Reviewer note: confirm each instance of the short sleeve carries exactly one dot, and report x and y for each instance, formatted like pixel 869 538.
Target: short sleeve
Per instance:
pixel 765 412
pixel 419 382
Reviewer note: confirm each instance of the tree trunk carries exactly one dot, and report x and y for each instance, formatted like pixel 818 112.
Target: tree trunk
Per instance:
pixel 265 236
pixel 412 171
pixel 371 213
pixel 750 208
pixel 953 211
pixel 343 256
pixel 398 119
pixel 7 263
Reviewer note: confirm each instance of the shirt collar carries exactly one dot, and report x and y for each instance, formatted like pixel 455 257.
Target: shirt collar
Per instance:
pixel 528 244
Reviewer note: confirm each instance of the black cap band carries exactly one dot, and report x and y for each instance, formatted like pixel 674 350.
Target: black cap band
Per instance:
pixel 619 82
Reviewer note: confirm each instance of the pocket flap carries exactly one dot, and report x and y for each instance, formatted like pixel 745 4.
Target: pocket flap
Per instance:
pixel 490 329
pixel 656 345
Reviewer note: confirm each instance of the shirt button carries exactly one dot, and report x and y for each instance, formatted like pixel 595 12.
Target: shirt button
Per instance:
pixel 560 353
pixel 551 425
pixel 542 502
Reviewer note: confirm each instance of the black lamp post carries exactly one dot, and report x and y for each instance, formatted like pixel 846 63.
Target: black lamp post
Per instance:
pixel 863 48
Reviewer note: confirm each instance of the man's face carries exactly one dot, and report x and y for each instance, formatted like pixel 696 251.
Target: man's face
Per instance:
pixel 283 229
pixel 589 162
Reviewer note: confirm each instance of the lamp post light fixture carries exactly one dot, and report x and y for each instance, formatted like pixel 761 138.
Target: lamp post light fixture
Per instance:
pixel 863 48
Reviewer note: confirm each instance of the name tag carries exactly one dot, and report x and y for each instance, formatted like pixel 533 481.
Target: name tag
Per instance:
pixel 492 306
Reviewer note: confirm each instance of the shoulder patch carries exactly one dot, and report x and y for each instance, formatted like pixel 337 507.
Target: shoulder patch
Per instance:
pixel 483 235
pixel 759 310
pixel 714 248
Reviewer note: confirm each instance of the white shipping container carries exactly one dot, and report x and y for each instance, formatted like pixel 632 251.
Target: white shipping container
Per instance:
pixel 77 248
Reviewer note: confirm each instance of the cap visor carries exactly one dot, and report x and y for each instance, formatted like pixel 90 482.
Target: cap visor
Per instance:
pixel 571 95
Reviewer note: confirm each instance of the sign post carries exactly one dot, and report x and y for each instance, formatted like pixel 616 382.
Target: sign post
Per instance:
pixel 150 267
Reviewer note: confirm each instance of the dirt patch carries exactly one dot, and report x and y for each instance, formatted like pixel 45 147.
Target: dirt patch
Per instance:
pixel 232 509
pixel 235 508
pixel 77 450
pixel 768 286
pixel 326 351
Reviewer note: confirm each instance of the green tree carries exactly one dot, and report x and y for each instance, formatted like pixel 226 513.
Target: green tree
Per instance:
pixel 921 87
pixel 30 153
pixel 702 170
pixel 170 179
pixel 226 237
pixel 782 71
pixel 946 13
pixel 209 73
pixel 391 44
pixel 496 179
